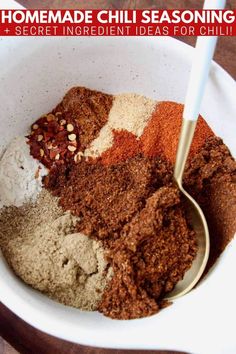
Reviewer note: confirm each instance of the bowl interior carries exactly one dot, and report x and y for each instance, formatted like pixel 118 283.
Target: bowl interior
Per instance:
pixel 35 74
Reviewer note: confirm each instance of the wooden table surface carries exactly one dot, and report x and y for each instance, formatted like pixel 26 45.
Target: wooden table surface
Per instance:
pixel 20 335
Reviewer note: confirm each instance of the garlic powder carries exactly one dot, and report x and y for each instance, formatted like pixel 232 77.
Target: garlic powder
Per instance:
pixel 20 174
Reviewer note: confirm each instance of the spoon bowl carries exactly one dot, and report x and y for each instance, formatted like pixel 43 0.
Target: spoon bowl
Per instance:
pixel 199 225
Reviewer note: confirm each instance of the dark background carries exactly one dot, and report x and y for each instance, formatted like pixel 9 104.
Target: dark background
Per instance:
pixel 21 336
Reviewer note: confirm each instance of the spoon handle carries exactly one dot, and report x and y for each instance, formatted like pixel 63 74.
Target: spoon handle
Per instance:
pixel 202 57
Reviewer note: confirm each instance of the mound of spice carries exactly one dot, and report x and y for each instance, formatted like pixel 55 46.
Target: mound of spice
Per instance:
pixel 125 145
pixel 137 213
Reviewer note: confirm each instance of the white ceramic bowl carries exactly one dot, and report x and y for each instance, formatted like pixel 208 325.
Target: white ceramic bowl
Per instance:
pixel 35 74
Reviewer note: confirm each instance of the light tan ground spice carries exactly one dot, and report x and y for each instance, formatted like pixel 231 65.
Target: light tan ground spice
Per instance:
pixel 42 246
pixel 129 112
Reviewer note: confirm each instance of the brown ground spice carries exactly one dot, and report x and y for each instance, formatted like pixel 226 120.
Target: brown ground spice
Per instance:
pixel 89 108
pixel 106 198
pixel 151 256
pixel 135 210
pixel 210 178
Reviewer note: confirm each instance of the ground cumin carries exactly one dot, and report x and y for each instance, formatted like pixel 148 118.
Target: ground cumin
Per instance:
pixel 107 197
pixel 210 177
pixel 89 108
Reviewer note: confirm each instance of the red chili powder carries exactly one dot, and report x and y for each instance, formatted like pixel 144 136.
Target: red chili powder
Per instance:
pixel 125 145
pixel 161 134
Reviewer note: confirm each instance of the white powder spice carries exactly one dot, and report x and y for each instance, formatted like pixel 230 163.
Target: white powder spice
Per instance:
pixel 129 112
pixel 20 174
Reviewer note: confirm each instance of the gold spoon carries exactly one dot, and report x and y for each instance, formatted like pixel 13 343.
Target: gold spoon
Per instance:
pixel 203 55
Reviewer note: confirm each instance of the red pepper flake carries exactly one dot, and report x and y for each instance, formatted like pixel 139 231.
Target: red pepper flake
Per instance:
pixel 49 140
